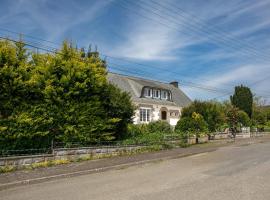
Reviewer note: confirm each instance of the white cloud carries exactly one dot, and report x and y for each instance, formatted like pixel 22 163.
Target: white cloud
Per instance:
pixel 154 39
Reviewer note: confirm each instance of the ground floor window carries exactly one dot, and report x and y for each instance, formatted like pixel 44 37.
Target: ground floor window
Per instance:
pixel 145 114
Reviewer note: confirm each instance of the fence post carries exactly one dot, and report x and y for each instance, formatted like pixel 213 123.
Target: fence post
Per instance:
pixel 52 146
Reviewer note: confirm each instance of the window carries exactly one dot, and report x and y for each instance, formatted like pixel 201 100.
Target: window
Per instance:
pixel 145 114
pixel 147 92
pixel 156 94
pixel 174 113
pixel 164 94
pixel 169 96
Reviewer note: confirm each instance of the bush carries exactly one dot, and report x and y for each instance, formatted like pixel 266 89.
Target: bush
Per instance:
pixel 145 138
pixel 211 111
pixel 244 118
pixel 188 126
pixel 152 127
pixel 154 132
pixel 194 124
pixel 136 129
pixel 159 126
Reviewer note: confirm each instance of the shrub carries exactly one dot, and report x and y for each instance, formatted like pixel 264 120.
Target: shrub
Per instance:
pixel 159 126
pixel 212 112
pixel 136 129
pixel 7 168
pixel 152 127
pixel 145 138
pixel 194 124
pixel 244 118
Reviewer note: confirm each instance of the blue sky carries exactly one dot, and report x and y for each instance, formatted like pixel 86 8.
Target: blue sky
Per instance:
pixel 208 46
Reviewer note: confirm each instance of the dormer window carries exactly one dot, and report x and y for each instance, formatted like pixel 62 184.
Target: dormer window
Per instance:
pixel 156 93
pixel 147 92
pixel 164 94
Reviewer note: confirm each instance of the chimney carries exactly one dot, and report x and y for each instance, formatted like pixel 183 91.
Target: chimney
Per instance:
pixel 174 83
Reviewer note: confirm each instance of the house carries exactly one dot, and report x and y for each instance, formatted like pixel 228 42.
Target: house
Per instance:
pixel 154 100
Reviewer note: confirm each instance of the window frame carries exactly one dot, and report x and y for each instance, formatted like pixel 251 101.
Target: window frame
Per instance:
pixel 147 117
pixel 162 93
pixel 156 93
pixel 147 91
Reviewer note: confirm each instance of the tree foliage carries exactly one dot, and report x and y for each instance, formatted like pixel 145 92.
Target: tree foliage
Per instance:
pixel 212 112
pixel 194 124
pixel 63 96
pixel 243 99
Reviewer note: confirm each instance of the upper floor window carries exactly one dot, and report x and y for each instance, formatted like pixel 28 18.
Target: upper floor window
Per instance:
pixel 147 92
pixel 156 93
pixel 164 94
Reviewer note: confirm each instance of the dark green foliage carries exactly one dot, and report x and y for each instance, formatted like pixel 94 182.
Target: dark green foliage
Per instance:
pixel 212 112
pixel 243 99
pixel 244 119
pixel 191 126
pixel 233 117
pixel 154 132
pixel 259 117
pixel 159 126
pixel 61 97
pixel 194 124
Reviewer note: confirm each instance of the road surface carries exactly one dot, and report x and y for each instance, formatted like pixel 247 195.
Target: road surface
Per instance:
pixel 232 172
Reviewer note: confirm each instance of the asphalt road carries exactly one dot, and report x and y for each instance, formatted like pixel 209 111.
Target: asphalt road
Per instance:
pixel 232 172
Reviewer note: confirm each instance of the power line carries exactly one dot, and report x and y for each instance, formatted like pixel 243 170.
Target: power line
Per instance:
pixel 223 41
pixel 185 83
pixel 105 55
pixel 189 27
pixel 112 57
pixel 190 84
pixel 197 22
pixel 27 35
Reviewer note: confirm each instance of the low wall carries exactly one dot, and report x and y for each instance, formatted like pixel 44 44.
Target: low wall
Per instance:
pixel 25 160
pixel 65 153
pixel 221 136
pixel 203 139
pixel 192 140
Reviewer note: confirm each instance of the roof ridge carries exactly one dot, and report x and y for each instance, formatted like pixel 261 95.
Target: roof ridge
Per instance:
pixel 141 78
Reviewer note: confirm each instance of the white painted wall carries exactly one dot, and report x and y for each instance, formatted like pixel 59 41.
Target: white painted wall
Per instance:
pixel 173 122
pixel 156 113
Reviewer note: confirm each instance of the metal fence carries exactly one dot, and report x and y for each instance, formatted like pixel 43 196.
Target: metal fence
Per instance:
pixel 168 139
pixel 98 144
pixel 24 152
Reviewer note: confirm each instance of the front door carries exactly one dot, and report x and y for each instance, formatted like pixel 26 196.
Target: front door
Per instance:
pixel 163 115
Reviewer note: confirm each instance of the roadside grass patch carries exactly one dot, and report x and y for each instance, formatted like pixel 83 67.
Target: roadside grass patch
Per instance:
pixel 7 168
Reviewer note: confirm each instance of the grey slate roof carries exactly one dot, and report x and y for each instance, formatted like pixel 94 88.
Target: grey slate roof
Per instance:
pixel 134 86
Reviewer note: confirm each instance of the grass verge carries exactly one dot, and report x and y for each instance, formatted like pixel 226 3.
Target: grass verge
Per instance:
pixel 152 148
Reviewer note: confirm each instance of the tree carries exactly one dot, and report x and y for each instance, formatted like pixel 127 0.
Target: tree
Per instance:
pixel 194 125
pixel 61 96
pixel 233 118
pixel 243 99
pixel 212 112
pixel 244 119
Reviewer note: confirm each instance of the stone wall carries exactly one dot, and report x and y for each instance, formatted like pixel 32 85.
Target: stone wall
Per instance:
pixel 65 153
pixel 221 136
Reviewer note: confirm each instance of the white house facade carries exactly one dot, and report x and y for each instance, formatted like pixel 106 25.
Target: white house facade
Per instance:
pixel 154 100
